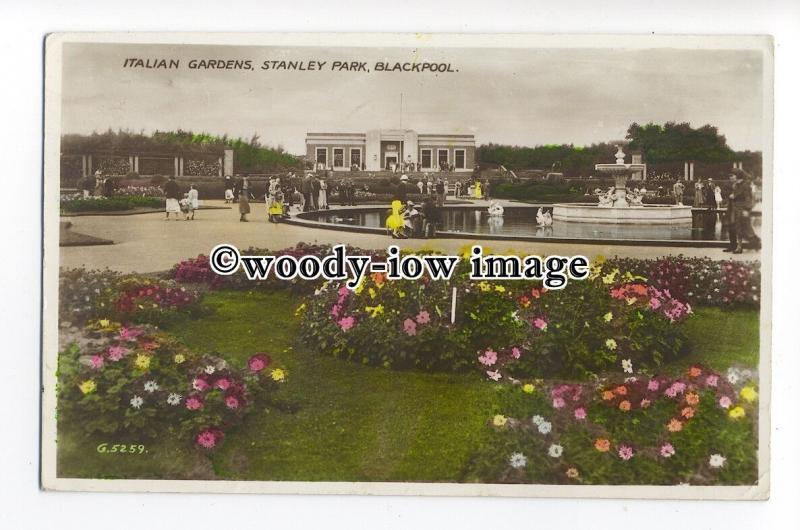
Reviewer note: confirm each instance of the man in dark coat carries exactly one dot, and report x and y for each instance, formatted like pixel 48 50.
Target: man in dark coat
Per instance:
pixel 740 204
pixel 307 189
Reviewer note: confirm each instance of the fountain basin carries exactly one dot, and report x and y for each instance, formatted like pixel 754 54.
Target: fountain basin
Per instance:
pixel 652 214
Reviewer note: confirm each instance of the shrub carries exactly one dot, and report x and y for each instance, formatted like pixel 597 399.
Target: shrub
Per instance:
pixel 76 203
pixel 135 380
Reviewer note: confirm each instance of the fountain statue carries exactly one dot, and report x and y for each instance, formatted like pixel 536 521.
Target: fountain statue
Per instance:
pixel 619 205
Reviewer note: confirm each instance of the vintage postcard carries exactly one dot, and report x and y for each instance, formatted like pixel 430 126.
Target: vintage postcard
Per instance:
pixel 503 265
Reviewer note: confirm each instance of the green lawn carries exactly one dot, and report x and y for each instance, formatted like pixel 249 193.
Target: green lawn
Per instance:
pixel 335 420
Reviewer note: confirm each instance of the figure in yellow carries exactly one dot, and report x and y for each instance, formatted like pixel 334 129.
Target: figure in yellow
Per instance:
pixel 395 222
pixel 478 194
pixel 275 207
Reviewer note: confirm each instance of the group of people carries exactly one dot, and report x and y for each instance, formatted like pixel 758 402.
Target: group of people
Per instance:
pixel 407 219
pixel 97 185
pixel 180 203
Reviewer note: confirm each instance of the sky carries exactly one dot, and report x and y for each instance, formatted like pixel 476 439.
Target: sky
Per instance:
pixel 509 96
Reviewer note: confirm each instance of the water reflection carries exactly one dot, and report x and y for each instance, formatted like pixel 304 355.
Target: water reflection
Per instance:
pixel 522 222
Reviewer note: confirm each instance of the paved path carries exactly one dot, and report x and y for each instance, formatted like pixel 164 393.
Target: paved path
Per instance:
pixel 147 243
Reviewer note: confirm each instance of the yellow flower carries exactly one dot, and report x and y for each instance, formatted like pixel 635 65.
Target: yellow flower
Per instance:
pixel 401 294
pixel 359 287
pixel 104 323
pixel 499 420
pixel 484 286
pixel 608 316
pixel 499 288
pixel 600 259
pixel 278 375
pixel 300 309
pixel 611 344
pixel 142 362
pixel 749 394
pixel 374 310
pixel 736 413
pixel 179 358
pixel 528 388
pixel 88 386
pixel 609 278
pixel 631 300
pixel 372 292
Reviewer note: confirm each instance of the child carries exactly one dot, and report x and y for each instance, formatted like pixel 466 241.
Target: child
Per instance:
pixel 275 209
pixel 186 206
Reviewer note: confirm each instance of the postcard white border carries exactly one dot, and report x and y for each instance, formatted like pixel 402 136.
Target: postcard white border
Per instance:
pixel 50 262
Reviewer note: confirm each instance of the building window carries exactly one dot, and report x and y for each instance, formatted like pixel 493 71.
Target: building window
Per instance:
pixel 442 158
pixel 322 157
pixel 355 157
pixel 427 158
pixel 338 157
pixel 461 159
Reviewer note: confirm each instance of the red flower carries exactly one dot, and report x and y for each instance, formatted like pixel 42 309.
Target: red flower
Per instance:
pixel 258 362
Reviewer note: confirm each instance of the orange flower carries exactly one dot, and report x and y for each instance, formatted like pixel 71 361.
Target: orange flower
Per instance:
pixel 378 278
pixel 694 371
pixel 645 403
pixel 687 412
pixel 622 390
pixel 625 406
pixel 675 425
pixel 602 445
pixel 692 399
pixel 607 395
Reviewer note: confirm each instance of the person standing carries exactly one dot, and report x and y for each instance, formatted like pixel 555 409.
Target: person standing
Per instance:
pixel 420 187
pixel 677 192
pixel 244 199
pixel 172 194
pixel 698 195
pixel 307 189
pixel 486 189
pixel 194 200
pixel 322 200
pixel 710 198
pixel 440 193
pixel 228 189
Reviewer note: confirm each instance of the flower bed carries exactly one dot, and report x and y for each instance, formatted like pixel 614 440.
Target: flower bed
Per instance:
pixel 86 295
pixel 512 328
pixel 76 203
pixel 115 379
pixel 699 428
pixel 700 281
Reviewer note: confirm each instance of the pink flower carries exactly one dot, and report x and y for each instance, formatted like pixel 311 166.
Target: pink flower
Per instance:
pixel 625 452
pixel 558 403
pixel 223 383
pixel 258 362
pixel 515 352
pixel 667 450
pixel 653 385
pixel 209 438
pixel 580 413
pixel 115 353
pixel 540 324
pixel 488 358
pixel 232 402
pixel 343 291
pixel 712 380
pixel 97 361
pixel 194 403
pixel 200 384
pixel 655 303
pixel 347 323
pixel 410 327
pixel 494 376
pixel 335 310
pixel 725 402
pixel 129 334
pixel 423 317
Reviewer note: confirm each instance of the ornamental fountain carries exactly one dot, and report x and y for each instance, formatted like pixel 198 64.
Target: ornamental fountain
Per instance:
pixel 621 206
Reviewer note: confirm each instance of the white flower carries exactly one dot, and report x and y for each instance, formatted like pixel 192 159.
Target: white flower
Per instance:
pixel 545 427
pixel 537 420
pixel 151 386
pixel 733 376
pixel 631 379
pixel 716 460
pixel 518 460
pixel 136 402
pixel 627 366
pixel 555 451
pixel 210 369
pixel 174 399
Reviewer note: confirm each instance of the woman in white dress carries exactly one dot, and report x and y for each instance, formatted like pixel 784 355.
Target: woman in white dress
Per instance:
pixel 194 200
pixel 323 195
